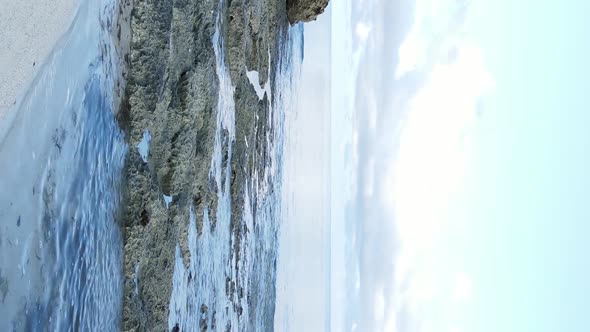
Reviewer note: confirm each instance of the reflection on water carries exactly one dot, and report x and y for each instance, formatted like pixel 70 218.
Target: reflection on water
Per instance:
pixel 60 165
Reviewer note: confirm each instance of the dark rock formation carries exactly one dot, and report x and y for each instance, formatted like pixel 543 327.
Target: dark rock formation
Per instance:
pixel 172 93
pixel 305 10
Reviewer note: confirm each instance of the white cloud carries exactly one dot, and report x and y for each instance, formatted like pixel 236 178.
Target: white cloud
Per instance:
pixel 430 167
pixel 362 30
pixel 463 290
pixel 433 159
pixel 402 180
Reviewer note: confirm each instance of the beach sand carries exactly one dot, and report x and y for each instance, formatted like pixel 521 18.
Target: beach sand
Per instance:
pixel 29 29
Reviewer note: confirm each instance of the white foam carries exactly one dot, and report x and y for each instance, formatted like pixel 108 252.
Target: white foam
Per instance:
pixel 144 146
pixel 136 278
pixel 210 260
pixel 254 79
pixel 167 200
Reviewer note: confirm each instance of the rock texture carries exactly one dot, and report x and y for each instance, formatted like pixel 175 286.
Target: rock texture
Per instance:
pixel 171 93
pixel 305 10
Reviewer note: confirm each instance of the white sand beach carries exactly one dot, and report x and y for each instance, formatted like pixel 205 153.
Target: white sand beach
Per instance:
pixel 29 29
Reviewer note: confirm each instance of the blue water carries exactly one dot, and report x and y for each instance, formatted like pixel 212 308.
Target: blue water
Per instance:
pixel 61 163
pixel 82 244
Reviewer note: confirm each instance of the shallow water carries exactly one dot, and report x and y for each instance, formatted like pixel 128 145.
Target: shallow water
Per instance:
pixel 60 163
pixel 223 287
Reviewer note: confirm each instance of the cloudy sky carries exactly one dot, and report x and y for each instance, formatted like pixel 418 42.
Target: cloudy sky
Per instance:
pixel 459 182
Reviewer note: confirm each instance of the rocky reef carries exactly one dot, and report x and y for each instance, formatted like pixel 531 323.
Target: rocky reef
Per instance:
pixel 305 10
pixel 168 112
pixel 171 97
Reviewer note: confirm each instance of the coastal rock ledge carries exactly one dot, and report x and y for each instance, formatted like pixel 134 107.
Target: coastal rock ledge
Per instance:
pixel 305 10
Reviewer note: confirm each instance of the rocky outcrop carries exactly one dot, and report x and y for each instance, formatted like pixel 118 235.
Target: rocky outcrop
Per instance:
pixel 305 10
pixel 172 95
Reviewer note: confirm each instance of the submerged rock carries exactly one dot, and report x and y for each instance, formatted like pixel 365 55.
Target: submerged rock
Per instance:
pixel 305 10
pixel 3 287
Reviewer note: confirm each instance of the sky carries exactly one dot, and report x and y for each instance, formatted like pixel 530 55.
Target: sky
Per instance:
pixel 459 183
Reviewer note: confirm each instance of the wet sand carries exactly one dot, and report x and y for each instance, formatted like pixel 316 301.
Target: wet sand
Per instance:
pixel 29 29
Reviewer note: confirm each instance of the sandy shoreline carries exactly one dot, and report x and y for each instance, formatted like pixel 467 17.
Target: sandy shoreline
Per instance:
pixel 29 29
